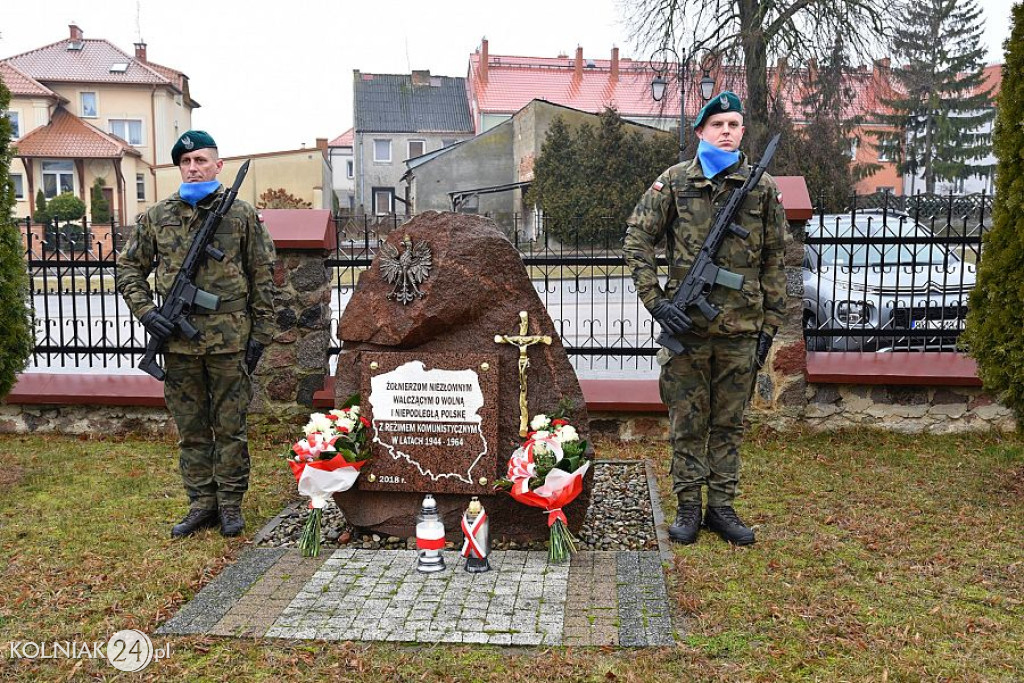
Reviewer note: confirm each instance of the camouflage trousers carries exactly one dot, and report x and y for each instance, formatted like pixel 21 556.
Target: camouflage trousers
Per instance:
pixel 209 397
pixel 706 390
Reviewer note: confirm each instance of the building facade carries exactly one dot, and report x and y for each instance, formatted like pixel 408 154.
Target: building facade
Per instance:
pixel 86 112
pixel 397 118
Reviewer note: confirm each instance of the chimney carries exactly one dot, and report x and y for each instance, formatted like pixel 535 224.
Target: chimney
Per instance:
pixel 421 77
pixel 483 60
pixel 614 74
pixel 76 33
pixel 578 71
pixel 321 144
pixel 140 51
pixel 812 70
pixel 882 64
pixel 780 73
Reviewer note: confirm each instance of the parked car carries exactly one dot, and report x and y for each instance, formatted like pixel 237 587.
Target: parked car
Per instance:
pixel 878 281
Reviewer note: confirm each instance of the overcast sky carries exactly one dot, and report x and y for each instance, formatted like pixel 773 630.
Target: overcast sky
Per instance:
pixel 270 79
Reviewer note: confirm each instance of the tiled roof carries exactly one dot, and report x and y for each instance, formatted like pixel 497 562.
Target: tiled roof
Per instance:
pixel 90 64
pixel 68 137
pixel 513 81
pixel 387 103
pixel 346 139
pixel 993 78
pixel 20 84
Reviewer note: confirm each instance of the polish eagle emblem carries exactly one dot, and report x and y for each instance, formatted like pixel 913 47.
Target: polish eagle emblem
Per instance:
pixel 406 269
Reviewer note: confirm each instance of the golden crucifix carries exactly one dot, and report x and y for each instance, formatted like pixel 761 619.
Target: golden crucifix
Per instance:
pixel 522 341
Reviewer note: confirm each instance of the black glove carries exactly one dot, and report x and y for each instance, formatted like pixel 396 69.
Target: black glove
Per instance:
pixel 764 345
pixel 253 353
pixel 671 319
pixel 158 326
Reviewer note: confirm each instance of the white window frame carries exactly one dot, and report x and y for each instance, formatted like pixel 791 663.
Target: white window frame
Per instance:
pixel 18 181
pixel 95 104
pixel 125 123
pixel 408 148
pixel 15 118
pixel 350 168
pixel 378 159
pixel 67 168
pixel 140 187
pixel 389 192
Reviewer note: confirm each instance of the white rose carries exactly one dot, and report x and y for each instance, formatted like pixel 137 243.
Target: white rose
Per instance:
pixel 539 422
pixel 354 411
pixel 318 422
pixel 566 434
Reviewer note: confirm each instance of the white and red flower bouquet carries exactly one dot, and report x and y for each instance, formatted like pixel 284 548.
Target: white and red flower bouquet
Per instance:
pixel 547 472
pixel 327 460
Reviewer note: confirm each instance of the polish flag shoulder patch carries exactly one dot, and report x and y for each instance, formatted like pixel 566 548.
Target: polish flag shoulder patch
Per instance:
pixel 779 198
pixel 657 186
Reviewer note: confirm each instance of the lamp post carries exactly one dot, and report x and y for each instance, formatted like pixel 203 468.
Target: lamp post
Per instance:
pixel 682 64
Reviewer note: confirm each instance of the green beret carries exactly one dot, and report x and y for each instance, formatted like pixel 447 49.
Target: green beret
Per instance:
pixel 723 102
pixel 189 141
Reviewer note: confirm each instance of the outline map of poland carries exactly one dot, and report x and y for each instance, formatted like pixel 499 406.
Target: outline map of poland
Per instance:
pixel 440 402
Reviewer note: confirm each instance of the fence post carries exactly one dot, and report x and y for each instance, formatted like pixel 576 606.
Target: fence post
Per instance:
pixel 295 366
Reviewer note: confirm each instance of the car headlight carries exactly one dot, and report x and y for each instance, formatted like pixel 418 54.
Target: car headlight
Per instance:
pixel 853 312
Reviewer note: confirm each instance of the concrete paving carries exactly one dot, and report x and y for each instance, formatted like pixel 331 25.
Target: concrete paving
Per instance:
pixel 599 598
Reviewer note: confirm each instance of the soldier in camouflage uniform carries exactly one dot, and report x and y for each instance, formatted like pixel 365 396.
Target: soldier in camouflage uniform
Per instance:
pixel 707 388
pixel 209 380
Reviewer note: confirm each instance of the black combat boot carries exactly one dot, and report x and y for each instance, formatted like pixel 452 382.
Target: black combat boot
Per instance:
pixel 724 522
pixel 231 520
pixel 196 520
pixel 684 529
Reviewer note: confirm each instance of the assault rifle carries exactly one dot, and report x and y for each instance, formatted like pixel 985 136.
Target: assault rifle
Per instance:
pixel 184 294
pixel 704 274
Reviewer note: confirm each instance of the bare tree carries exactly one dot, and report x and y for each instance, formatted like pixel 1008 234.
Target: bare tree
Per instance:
pixel 750 32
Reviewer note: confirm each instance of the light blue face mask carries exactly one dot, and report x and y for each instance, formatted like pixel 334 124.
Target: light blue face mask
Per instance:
pixel 193 193
pixel 714 160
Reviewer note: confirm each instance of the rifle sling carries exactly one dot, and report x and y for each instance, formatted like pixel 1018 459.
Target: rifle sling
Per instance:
pixel 232 306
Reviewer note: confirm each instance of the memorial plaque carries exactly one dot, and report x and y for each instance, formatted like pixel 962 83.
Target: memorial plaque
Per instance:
pixel 433 421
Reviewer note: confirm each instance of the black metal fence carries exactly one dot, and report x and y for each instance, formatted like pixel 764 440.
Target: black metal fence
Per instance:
pixel 892 273
pixel 887 275
pixel 583 283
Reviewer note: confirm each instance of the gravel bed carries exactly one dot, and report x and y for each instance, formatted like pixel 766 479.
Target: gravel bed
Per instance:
pixel 619 518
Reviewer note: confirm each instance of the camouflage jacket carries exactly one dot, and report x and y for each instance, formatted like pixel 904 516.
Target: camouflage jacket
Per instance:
pixel 243 280
pixel 681 205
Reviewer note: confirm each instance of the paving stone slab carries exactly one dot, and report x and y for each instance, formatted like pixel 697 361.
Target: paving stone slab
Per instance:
pixel 600 598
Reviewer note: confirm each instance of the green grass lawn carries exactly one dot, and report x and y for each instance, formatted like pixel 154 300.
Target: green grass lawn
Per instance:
pixel 879 557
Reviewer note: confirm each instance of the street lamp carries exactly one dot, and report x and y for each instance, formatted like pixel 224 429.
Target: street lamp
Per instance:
pixel 658 85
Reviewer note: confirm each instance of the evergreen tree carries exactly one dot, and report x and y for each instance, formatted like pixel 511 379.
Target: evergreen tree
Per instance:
pixel 100 205
pixel 15 319
pixel 587 181
pixel 995 316
pixel 41 215
pixel 939 109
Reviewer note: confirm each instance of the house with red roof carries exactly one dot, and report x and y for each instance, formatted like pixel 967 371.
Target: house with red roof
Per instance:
pixel 83 109
pixel 497 86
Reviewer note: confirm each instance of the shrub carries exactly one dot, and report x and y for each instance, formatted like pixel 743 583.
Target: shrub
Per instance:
pixel 42 215
pixel 65 208
pixel 100 205
pixel 995 316
pixel 15 319
pixel 280 198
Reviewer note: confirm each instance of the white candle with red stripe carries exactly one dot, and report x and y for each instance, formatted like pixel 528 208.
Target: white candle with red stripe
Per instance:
pixel 429 537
